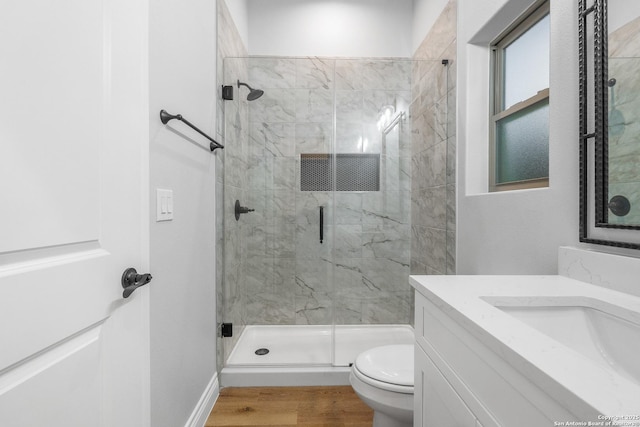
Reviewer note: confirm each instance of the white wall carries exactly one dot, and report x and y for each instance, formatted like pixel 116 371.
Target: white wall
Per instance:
pixel 240 13
pixel 517 231
pixel 182 68
pixel 425 13
pixel 347 28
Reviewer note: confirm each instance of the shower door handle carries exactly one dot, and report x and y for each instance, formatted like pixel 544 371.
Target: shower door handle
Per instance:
pixel 321 223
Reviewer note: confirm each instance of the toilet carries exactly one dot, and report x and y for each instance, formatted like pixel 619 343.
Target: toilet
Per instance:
pixel 383 378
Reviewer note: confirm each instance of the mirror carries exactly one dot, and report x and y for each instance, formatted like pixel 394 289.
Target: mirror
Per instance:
pixel 623 112
pixel 610 105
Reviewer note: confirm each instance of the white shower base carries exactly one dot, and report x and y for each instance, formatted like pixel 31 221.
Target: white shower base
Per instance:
pixel 302 354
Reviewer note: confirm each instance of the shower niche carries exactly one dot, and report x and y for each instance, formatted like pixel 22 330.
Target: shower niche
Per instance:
pixel 319 270
pixel 353 172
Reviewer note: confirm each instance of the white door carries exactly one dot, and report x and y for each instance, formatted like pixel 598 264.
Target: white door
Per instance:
pixel 73 213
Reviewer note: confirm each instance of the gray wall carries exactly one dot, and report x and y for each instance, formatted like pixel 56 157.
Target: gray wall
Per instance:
pixel 182 295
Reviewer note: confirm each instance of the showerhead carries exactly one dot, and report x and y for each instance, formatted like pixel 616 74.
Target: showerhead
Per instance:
pixel 253 93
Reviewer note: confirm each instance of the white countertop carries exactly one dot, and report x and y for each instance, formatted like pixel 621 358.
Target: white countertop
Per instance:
pixel 552 366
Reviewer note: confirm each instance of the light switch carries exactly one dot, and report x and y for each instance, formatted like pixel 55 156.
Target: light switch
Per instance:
pixel 164 205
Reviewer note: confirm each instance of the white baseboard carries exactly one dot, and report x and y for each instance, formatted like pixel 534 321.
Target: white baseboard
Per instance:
pixel 201 412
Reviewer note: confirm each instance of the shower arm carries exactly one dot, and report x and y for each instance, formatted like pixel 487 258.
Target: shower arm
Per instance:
pixel 165 117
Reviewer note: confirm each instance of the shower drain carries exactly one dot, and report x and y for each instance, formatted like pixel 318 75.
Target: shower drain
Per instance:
pixel 262 351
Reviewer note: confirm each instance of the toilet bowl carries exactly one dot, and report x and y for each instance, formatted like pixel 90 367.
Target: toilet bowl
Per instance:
pixel 383 378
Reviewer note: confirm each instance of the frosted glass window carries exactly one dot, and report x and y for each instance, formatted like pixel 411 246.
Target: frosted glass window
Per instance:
pixel 522 147
pixel 526 64
pixel 520 104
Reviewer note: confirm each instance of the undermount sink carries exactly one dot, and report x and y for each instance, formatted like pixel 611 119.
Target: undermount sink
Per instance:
pixel 607 334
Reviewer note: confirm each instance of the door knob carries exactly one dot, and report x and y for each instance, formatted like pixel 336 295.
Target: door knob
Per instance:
pixel 131 281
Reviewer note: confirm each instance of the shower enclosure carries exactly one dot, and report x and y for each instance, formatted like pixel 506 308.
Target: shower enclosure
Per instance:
pixel 324 159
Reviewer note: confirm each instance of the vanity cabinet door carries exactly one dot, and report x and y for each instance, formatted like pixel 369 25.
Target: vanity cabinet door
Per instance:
pixel 436 403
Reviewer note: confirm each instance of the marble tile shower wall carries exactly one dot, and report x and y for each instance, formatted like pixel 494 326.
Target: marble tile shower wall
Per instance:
pixel 359 273
pixel 433 109
pixel 430 172
pixel 228 269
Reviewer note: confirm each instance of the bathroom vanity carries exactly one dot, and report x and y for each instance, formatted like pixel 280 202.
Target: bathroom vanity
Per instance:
pixel 524 351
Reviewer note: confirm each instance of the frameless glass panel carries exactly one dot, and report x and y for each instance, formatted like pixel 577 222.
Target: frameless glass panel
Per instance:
pixel 522 146
pixel 372 229
pixel 231 233
pixel 278 273
pixel 526 64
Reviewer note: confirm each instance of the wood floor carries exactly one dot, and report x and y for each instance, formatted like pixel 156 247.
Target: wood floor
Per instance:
pixel 290 406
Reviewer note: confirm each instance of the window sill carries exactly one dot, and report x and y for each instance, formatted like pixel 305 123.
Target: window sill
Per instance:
pixel 520 185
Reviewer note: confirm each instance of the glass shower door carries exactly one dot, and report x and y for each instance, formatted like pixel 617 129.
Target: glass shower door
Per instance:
pixel 347 164
pixel 278 267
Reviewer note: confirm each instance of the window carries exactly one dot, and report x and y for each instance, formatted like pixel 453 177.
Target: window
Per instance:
pixel 520 105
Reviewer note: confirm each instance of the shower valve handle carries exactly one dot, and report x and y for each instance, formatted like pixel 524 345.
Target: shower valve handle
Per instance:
pixel 241 210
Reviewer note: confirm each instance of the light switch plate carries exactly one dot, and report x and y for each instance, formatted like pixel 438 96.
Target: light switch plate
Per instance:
pixel 164 205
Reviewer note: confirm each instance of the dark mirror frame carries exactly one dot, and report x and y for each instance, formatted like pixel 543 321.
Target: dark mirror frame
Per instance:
pixel 598 11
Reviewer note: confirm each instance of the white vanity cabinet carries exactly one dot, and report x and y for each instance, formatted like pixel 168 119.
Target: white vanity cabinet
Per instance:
pixel 436 402
pixel 461 382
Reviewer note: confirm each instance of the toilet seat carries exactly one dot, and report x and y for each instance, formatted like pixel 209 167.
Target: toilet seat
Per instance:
pixel 388 368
